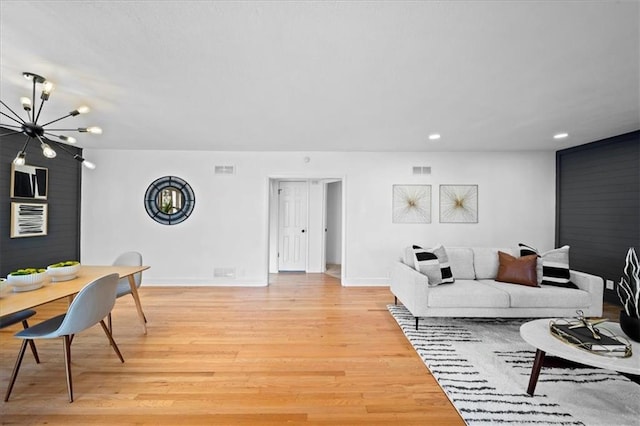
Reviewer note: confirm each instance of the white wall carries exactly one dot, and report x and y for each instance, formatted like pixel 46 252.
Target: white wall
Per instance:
pixel 229 227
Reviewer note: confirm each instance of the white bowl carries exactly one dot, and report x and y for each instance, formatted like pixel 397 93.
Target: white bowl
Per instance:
pixel 63 273
pixel 26 282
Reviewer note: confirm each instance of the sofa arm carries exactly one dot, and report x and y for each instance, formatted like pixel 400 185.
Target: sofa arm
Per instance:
pixel 410 287
pixel 593 285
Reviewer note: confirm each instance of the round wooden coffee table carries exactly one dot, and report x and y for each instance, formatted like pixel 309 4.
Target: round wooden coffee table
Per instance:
pixel 537 334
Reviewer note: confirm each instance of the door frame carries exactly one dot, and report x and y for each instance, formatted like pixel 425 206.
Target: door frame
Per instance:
pixel 271 216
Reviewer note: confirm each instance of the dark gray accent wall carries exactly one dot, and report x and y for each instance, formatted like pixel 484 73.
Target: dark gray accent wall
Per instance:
pixel 598 205
pixel 63 239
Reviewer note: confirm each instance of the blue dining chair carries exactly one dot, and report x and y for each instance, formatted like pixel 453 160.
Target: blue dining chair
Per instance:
pixel 90 306
pixel 21 316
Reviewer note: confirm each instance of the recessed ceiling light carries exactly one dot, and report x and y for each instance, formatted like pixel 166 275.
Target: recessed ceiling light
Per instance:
pixel 560 135
pixel 434 136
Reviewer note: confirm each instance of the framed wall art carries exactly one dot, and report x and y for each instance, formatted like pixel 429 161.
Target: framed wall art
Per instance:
pixel 458 203
pixel 29 182
pixel 411 203
pixel 28 220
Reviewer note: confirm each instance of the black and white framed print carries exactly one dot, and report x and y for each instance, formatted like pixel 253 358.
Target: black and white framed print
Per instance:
pixel 411 203
pixel 458 203
pixel 29 182
pixel 28 220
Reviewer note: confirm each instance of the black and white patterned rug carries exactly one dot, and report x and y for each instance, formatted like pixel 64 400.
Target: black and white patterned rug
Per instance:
pixel 483 366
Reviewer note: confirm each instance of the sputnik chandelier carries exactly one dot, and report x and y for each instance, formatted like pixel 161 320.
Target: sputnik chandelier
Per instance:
pixel 40 132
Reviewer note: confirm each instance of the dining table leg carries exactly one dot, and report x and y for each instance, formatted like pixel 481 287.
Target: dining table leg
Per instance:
pixel 136 298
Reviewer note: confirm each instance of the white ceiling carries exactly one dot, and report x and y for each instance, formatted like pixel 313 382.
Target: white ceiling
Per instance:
pixel 330 75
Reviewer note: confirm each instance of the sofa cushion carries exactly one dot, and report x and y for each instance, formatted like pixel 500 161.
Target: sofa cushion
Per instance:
pixel 467 294
pixel 545 296
pixel 461 262
pixel 517 270
pixel 485 261
pixel 553 266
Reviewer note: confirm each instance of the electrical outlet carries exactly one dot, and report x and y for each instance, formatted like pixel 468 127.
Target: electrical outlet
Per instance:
pixel 609 285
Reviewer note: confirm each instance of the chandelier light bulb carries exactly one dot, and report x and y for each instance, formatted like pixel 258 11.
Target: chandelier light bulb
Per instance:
pixel 83 109
pixel 67 139
pixel 95 130
pixel 47 151
pixel 20 159
pixel 89 165
pixel 26 103
pixel 561 135
pixel 47 87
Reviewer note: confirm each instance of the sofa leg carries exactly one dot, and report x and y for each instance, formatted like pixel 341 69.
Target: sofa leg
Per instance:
pixel 395 300
pixel 417 319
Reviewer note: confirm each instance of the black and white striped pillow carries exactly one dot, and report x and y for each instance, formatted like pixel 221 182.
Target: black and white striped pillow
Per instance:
pixel 445 268
pixel 434 264
pixel 555 266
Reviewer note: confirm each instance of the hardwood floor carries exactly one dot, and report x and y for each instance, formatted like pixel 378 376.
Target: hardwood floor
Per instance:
pixel 302 351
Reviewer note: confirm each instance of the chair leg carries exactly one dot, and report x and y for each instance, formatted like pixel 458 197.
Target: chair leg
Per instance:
pixel 16 368
pixel 67 359
pixel 32 344
pixel 113 342
pixel 110 324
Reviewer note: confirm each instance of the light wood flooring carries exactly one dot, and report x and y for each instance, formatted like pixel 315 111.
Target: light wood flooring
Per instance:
pixel 304 350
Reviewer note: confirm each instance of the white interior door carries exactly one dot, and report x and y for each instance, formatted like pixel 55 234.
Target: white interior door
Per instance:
pixel 292 229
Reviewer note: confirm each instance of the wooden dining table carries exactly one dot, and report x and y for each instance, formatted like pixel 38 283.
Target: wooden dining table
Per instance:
pixel 11 301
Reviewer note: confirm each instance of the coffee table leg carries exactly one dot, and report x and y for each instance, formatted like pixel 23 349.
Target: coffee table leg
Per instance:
pixel 535 371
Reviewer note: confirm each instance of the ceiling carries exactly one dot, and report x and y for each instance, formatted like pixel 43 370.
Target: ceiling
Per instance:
pixel 330 75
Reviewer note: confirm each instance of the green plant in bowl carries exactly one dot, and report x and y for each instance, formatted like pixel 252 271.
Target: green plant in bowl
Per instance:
pixel 27 271
pixel 63 264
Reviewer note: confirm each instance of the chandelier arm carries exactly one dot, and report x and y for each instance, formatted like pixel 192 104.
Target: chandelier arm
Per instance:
pixel 64 130
pixel 35 120
pixel 11 133
pixel 61 146
pixel 24 147
pixel 55 140
pixel 75 156
pixel 19 119
pixel 57 119
pixel 33 102
pixel 13 126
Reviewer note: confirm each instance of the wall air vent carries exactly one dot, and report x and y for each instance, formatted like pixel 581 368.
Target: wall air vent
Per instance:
pixel 224 272
pixel 224 170
pixel 421 170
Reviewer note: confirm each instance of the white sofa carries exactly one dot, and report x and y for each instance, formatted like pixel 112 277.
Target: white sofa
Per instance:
pixel 476 293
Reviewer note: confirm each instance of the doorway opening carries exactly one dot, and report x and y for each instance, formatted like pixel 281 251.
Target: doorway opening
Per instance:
pixel 306 232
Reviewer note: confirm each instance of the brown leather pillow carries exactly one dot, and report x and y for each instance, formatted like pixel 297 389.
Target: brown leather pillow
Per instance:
pixel 517 270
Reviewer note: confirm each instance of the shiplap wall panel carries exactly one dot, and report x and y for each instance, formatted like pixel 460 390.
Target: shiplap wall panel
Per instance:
pixel 598 204
pixel 63 239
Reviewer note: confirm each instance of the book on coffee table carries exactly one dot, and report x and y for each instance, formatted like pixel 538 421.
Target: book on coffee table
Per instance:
pixel 583 337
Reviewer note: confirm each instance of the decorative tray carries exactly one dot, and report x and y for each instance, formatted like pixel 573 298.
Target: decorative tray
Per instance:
pixel 583 334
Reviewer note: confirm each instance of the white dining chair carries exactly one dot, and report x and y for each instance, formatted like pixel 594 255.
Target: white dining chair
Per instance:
pixel 90 306
pixel 130 258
